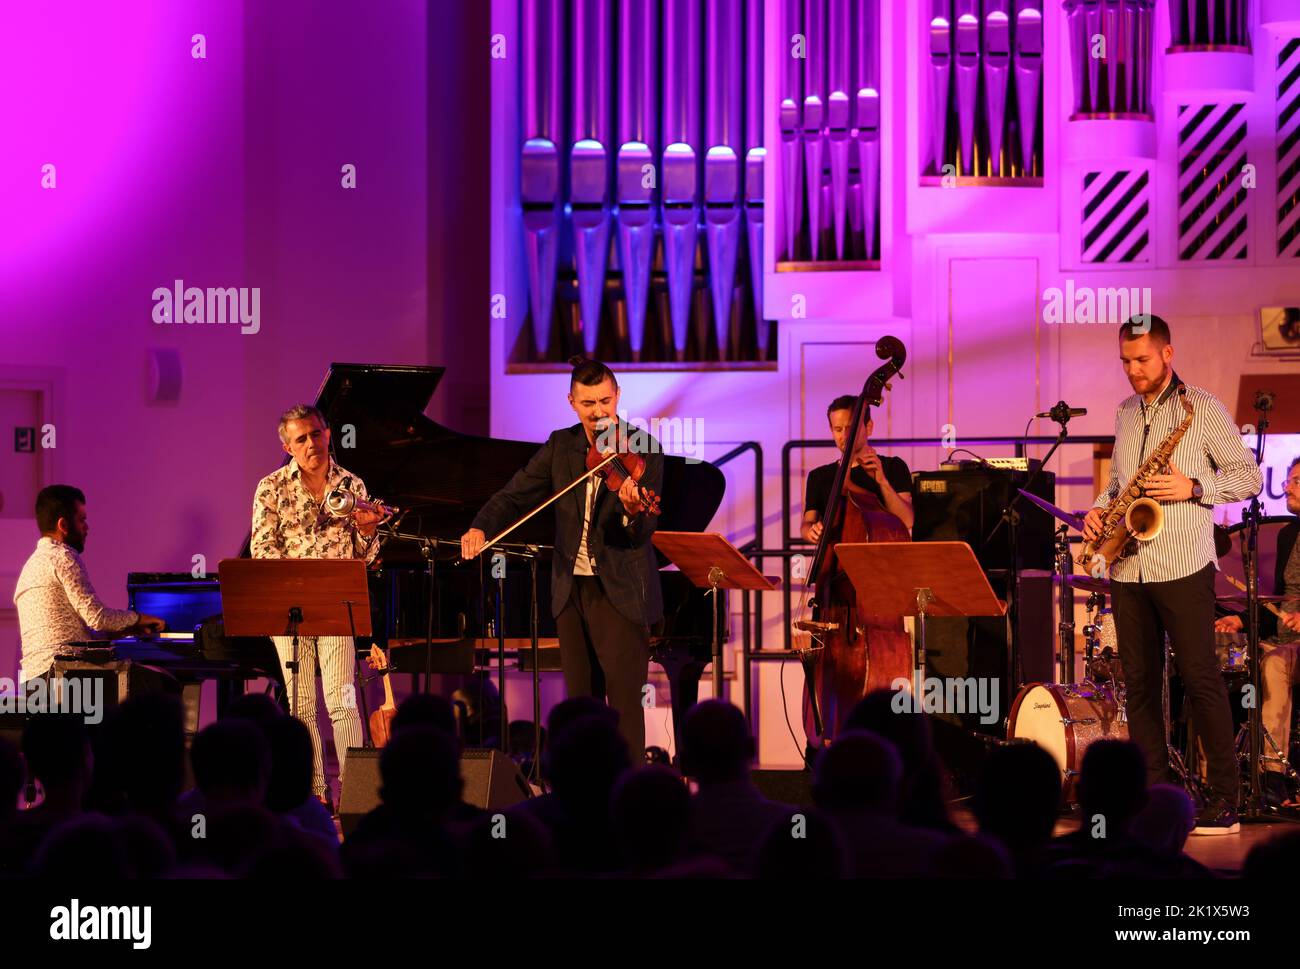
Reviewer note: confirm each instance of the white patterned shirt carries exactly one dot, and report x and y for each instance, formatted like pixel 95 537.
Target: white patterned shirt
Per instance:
pixel 1211 452
pixel 57 605
pixel 288 523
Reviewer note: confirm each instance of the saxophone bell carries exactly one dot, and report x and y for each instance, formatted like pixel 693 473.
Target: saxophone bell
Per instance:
pixel 1144 519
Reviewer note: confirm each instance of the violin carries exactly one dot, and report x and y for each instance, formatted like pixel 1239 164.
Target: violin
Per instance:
pixel 381 720
pixel 626 464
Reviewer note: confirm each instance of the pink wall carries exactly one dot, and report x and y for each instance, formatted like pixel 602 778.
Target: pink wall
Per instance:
pixel 223 171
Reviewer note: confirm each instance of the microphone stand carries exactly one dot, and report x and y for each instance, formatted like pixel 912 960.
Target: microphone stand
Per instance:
pixel 1253 809
pixel 533 554
pixel 429 551
pixel 1011 518
pixel 609 459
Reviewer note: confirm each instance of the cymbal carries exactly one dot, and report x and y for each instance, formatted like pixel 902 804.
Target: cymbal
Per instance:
pixel 1060 514
pixel 1089 583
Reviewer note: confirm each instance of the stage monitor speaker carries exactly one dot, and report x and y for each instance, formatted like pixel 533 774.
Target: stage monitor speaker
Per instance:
pixel 965 506
pixel 785 786
pixel 359 792
pixel 492 782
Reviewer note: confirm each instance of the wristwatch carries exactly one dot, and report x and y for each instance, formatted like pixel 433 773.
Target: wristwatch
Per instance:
pixel 1197 491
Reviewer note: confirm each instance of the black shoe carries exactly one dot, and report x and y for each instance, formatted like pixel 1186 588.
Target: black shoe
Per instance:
pixel 1217 817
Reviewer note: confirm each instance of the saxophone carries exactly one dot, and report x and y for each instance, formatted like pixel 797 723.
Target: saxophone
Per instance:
pixel 1131 517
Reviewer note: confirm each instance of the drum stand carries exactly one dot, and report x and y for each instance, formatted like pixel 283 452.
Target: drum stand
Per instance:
pixel 1065 624
pixel 1091 630
pixel 1242 747
pixel 1252 807
pixel 1190 782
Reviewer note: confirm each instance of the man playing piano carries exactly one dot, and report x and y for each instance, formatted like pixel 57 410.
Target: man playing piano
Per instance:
pixel 290 521
pixel 56 603
pixel 604 590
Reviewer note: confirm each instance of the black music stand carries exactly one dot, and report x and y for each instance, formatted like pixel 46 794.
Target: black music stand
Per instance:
pixel 919 579
pixel 293 597
pixel 711 562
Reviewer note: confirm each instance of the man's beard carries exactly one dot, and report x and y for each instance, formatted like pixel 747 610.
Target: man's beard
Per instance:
pixel 77 542
pixel 1159 379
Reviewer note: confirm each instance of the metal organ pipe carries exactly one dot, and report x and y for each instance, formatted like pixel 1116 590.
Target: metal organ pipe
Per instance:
pixel 679 169
pixel 589 160
pixel 540 164
pixel 723 34
pixel 754 160
pixel 636 179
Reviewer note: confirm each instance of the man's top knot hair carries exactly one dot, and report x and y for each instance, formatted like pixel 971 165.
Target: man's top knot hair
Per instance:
pixel 589 372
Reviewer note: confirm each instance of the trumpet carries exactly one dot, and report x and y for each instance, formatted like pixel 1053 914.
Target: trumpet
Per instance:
pixel 344 503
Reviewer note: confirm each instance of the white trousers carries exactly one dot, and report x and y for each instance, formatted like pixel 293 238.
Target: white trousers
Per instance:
pixel 336 656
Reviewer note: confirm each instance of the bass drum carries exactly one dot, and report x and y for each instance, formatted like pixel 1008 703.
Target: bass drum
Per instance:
pixel 1064 720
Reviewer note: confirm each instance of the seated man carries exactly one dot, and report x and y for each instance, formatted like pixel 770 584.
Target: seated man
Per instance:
pixel 1279 640
pixel 888 478
pixel 56 603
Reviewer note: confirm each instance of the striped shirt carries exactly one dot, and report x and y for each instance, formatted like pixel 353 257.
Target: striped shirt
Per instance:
pixel 1211 452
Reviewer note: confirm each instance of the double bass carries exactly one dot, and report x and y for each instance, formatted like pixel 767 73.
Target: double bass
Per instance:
pixel 853 653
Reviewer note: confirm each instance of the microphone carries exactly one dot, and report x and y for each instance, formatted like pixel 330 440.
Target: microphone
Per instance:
pixel 1062 412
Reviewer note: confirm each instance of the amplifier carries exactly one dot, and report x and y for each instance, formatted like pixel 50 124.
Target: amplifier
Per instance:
pixel 965 506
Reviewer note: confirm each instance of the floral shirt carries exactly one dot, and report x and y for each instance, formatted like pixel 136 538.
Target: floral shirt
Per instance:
pixel 288 523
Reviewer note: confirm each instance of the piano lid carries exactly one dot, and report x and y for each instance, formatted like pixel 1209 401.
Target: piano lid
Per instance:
pixel 442 477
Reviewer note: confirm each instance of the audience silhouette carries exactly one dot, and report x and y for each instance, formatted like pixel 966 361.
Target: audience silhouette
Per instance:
pixel 114 801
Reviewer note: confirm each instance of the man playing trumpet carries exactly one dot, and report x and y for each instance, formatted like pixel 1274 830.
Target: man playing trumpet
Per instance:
pixel 292 520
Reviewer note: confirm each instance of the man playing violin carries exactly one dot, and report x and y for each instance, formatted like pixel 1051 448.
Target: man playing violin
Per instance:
pixel 604 590
pixel 888 478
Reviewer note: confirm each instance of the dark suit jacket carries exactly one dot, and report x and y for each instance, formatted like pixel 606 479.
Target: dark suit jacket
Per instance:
pixel 624 556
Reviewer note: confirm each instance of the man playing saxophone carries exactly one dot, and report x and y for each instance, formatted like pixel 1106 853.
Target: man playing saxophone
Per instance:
pixel 1165 583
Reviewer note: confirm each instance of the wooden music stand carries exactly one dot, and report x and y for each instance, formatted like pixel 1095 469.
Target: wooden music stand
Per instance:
pixel 711 562
pixel 919 579
pixel 293 597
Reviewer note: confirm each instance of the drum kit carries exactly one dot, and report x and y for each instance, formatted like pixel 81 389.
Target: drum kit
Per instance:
pixel 1066 718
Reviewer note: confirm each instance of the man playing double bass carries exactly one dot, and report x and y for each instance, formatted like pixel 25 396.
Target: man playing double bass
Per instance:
pixel 888 478
pixel 862 652
pixel 604 588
